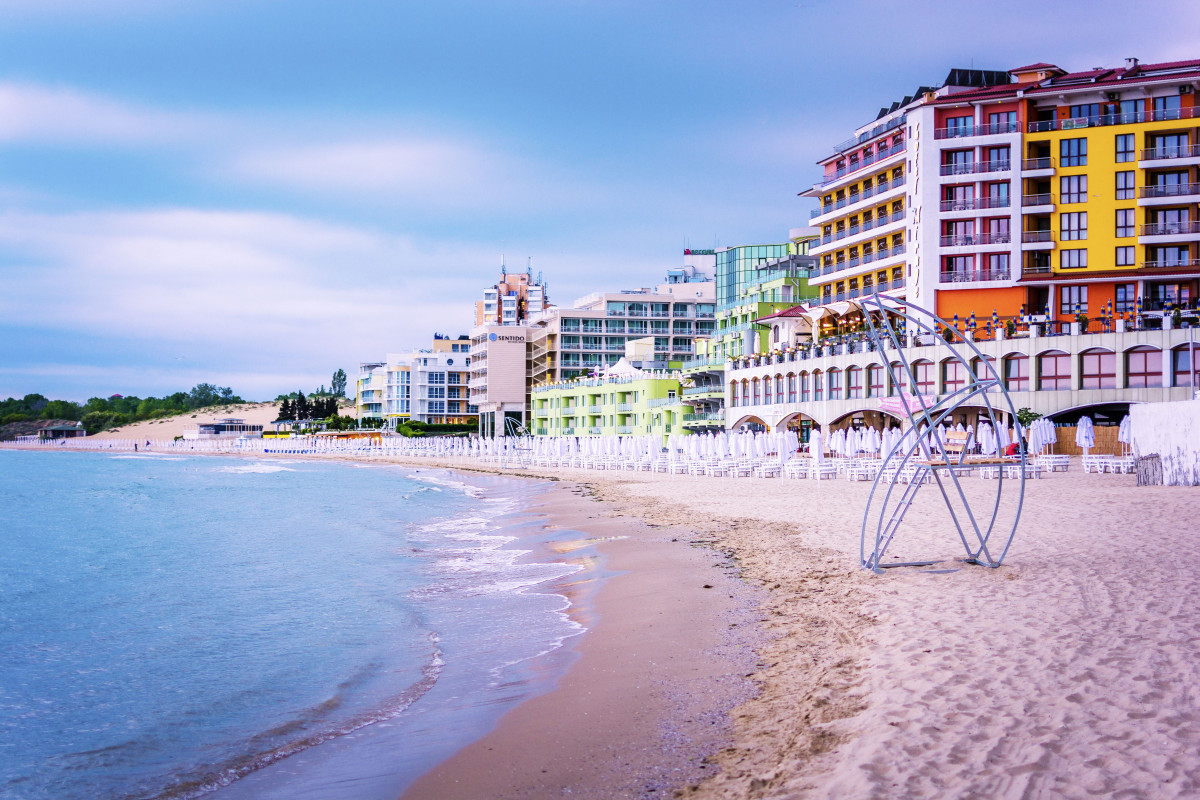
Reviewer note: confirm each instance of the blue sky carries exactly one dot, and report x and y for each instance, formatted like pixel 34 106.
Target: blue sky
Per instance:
pixel 255 193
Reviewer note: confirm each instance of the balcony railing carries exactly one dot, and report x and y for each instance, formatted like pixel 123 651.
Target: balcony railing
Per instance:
pixel 1037 200
pixel 879 155
pixel 692 391
pixel 1036 237
pixel 1128 118
pixel 1169 190
pixel 593 409
pixel 977 130
pixel 973 203
pixel 972 167
pixel 1037 269
pixel 973 239
pixel 1031 164
pixel 973 275
pixel 1172 151
pixel 1171 228
pixel 867 193
pixel 1172 262
pixel 705 416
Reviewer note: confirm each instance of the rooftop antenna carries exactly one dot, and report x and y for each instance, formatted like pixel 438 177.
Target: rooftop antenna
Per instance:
pixel 503 271
pixel 529 267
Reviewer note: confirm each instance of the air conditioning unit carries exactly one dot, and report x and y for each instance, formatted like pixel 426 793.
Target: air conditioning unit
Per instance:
pixel 1113 96
pixel 1186 89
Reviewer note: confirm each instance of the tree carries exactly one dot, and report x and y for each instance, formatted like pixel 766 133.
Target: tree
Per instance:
pixel 339 383
pixel 285 411
pixel 301 406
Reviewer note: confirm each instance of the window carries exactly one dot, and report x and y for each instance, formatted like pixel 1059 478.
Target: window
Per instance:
pixel 954 375
pixel 757 389
pixel 437 407
pixel 1016 373
pixel 1073 152
pixel 980 368
pixel 437 378
pixel 818 385
pixel 1143 368
pixel 997 158
pixel 1088 110
pixel 1167 107
pixel 1125 257
pixel 1073 300
pixel 960 126
pixel 1125 295
pixel 854 383
pixel 1074 226
pixel 1074 259
pixel 1126 218
pixel 1054 371
pixel 1003 121
pixel 1125 147
pixel 1073 189
pixel 1126 186
pixel 778 388
pixel 1181 357
pixel 805 387
pixel 1171 256
pixel 896 379
pixel 925 379
pixel 875 380
pixel 791 383
pixel 1099 369
pixel 835 384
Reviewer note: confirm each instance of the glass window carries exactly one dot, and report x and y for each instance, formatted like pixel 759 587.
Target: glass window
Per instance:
pixel 1125 148
pixel 1143 368
pixel 875 380
pixel 925 377
pixel 1126 186
pixel 1073 226
pixel 805 387
pixel 791 383
pixel 854 383
pixel 1016 373
pixel 1126 222
pixel 1073 152
pixel 1099 369
pixel 1073 300
pixel 818 385
pixel 1125 295
pixel 1073 189
pixel 835 384
pixel 954 375
pixel 1180 374
pixel 960 126
pixel 1125 256
pixel 1054 371
pixel 1074 259
pixel 778 388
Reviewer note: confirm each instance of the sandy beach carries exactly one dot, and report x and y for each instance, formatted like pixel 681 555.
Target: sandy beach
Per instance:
pixel 1068 672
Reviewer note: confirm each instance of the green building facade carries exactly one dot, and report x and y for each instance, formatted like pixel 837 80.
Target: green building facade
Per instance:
pixel 631 404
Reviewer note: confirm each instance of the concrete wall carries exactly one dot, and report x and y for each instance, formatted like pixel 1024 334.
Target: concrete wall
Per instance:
pixel 1171 430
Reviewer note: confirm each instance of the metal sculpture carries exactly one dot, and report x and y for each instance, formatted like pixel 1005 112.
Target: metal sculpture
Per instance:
pixel 921 457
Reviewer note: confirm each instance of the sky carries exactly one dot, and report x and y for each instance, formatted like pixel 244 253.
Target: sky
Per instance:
pixel 256 193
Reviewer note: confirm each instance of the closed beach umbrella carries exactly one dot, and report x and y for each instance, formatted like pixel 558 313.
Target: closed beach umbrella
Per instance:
pixel 1085 434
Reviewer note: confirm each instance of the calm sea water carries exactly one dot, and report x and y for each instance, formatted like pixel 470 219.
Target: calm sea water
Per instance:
pixel 174 625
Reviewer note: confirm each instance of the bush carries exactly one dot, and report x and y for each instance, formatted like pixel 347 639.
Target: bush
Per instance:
pixel 1083 322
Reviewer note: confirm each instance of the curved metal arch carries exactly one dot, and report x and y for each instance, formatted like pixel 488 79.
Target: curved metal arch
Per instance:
pixel 974 533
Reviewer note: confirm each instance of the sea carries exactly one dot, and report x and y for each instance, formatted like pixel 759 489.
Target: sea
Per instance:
pixel 200 626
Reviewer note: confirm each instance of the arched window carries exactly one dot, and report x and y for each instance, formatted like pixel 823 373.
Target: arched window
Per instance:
pixel 835 384
pixel 896 378
pixel 1098 369
pixel 805 387
pixel 1016 372
pixel 733 394
pixel 954 375
pixel 854 383
pixel 775 333
pixel 1143 367
pixel 1054 371
pixel 979 368
pixel 778 388
pixel 875 380
pixel 818 385
pixel 1181 358
pixel 756 389
pixel 745 391
pixel 791 383
pixel 924 377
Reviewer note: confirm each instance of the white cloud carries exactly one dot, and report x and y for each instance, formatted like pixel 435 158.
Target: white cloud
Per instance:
pixel 40 114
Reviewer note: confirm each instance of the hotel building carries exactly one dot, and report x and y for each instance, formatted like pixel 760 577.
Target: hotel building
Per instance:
pixel 1034 195
pixel 429 385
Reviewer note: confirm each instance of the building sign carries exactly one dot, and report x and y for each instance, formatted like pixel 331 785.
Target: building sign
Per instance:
pixel 690 252
pixel 506 337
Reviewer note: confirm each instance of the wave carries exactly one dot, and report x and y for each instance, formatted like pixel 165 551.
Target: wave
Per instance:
pixel 263 749
pixel 256 469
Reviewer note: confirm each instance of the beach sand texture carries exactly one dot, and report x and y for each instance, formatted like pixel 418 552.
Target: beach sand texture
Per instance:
pixel 1068 672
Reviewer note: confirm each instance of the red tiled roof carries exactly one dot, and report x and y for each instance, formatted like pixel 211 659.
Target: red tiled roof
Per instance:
pixel 794 311
pixel 1125 77
pixel 1031 67
pixel 984 93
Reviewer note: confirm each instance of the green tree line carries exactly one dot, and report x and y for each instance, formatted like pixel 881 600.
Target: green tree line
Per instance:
pixel 101 413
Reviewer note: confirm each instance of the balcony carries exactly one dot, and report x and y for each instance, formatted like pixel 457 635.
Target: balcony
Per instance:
pixel 1129 118
pixel 1037 164
pixel 975 203
pixel 1171 190
pixel 973 167
pixel 593 409
pixel 977 130
pixel 975 239
pixel 882 154
pixel 1170 153
pixel 624 408
pixel 1036 237
pixel 866 194
pixel 1037 269
pixel 973 276
pixel 704 416
pixel 1183 228
pixel 1037 203
pixel 1191 263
